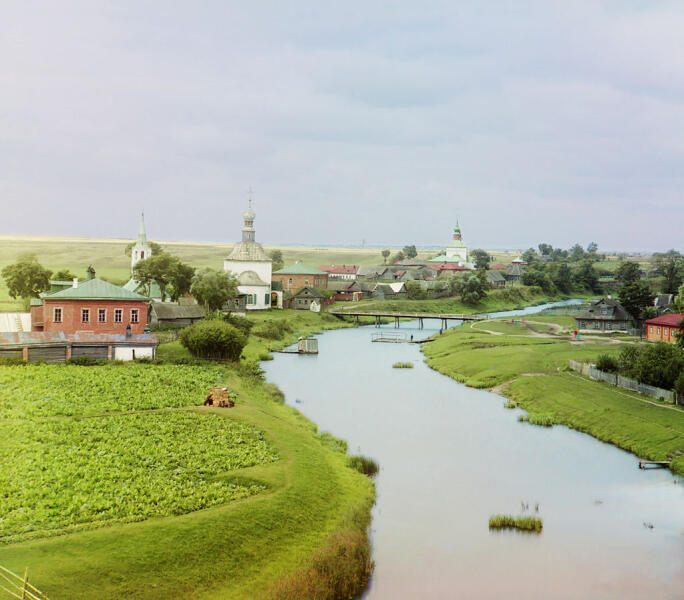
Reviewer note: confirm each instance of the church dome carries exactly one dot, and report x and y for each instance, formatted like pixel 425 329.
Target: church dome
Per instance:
pixel 249 214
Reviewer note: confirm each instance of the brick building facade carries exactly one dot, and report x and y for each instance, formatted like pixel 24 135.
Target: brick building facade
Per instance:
pixel 92 306
pixel 298 276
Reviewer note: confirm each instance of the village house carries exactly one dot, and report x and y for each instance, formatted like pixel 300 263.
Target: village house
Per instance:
pixel 496 279
pixel 514 272
pixel 299 275
pixel 390 291
pixel 374 273
pixel 173 314
pixel 93 306
pixel 663 302
pixel 606 314
pixel 664 328
pixel 305 297
pixel 345 272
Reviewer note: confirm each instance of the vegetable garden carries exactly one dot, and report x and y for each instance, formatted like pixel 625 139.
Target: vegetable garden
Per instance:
pixel 63 473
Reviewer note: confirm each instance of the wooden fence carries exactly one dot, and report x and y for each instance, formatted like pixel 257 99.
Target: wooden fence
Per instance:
pixel 624 382
pixel 19 587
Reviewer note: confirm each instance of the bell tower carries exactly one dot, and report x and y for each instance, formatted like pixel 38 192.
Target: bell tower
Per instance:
pixel 142 249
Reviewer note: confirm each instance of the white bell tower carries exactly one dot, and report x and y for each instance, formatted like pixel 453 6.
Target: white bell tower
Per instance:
pixel 141 250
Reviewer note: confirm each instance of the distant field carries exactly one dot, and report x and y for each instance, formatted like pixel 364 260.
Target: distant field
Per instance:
pixel 108 258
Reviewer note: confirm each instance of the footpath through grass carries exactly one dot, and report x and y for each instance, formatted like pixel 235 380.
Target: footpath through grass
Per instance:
pixel 532 372
pixel 227 501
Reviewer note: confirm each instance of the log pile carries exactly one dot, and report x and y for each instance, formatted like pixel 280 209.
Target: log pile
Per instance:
pixel 220 397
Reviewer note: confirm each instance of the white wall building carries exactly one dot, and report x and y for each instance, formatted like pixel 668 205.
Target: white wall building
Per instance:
pixel 142 249
pixel 251 265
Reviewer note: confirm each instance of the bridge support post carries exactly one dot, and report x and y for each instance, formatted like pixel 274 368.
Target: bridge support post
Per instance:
pixel 420 323
pixel 377 321
pixel 357 319
pixel 396 322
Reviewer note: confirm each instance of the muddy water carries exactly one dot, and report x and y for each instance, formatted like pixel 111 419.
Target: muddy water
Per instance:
pixel 451 456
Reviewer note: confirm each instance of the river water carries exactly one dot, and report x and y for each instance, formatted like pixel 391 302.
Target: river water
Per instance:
pixel 451 456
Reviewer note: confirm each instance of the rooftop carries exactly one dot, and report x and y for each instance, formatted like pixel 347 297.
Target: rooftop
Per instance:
pixel 671 320
pixel 299 269
pixel 94 289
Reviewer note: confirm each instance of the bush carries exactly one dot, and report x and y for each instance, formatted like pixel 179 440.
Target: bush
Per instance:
pixel 214 338
pixel 12 361
pixel 363 464
pixel 86 361
pixel 340 569
pixel 271 330
pixel 242 323
pixel 607 363
pixel 251 370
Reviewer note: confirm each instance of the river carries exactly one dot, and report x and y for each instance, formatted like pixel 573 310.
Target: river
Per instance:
pixel 450 456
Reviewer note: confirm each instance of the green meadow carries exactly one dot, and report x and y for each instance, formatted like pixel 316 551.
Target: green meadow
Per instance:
pixel 532 371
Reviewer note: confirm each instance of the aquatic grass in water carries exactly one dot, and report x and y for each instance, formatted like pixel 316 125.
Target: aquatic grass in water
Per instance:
pixel 402 365
pixel 511 522
pixel 510 404
pixel 541 420
pixel 363 464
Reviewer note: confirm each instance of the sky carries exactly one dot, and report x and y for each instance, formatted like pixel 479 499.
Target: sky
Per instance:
pixel 384 122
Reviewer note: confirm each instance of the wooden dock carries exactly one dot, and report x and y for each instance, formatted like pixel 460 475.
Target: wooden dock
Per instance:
pixel 654 464
pixel 391 337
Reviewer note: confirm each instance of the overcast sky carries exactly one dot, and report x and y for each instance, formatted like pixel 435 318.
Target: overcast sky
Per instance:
pixel 558 121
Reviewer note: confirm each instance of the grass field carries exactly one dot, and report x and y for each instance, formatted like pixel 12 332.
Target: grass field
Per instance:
pixel 227 500
pixel 532 372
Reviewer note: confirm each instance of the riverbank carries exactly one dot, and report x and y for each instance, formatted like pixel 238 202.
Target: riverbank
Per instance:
pixel 530 368
pixel 304 510
pixel 510 298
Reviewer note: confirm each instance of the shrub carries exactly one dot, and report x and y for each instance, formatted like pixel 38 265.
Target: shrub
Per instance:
pixel 272 330
pixel 265 356
pixel 242 323
pixel 340 569
pixel 12 361
pixel 86 361
pixel 214 338
pixel 607 363
pixel 363 464
pixel 251 370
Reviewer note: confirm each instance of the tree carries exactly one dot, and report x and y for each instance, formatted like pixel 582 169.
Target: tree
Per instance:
pixel 385 253
pixel 659 364
pixel 410 251
pixel 472 289
pixel 214 338
pixel 585 276
pixel 562 278
pixel 635 296
pixel 536 274
pixel 26 278
pixel 545 249
pixel 414 291
pixel 180 279
pixel 529 255
pixel 559 254
pixel 397 257
pixel 669 265
pixel 628 272
pixel 63 275
pixel 576 253
pixel 480 258
pixel 592 248
pixel 679 336
pixel 277 260
pixel 155 248
pixel 212 289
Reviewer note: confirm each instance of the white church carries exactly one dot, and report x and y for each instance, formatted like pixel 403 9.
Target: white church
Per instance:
pixel 251 265
pixel 456 252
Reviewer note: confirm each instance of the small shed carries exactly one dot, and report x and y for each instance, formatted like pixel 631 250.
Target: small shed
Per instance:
pixel 174 314
pixel 303 298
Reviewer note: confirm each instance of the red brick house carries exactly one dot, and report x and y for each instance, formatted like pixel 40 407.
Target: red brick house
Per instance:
pixel 91 306
pixel 664 328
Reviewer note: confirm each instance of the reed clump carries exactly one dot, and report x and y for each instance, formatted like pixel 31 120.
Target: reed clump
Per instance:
pixel 541 420
pixel 363 464
pixel 511 522
pixel 402 365
pixel 510 404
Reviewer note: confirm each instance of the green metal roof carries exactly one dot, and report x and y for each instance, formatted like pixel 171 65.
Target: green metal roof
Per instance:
pixel 299 269
pixel 95 289
pixel 133 285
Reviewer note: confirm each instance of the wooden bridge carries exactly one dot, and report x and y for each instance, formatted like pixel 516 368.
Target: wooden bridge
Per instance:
pixel 420 317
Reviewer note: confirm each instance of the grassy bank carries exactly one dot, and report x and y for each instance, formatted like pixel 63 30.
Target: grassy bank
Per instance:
pixel 254 518
pixel 497 300
pixel 531 370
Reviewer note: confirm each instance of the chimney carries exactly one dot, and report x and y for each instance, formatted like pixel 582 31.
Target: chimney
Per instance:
pixel 75 284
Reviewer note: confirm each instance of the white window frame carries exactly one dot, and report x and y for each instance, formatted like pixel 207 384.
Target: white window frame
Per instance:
pixel 54 314
pixel 85 312
pixel 135 315
pixel 99 311
pixel 118 312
